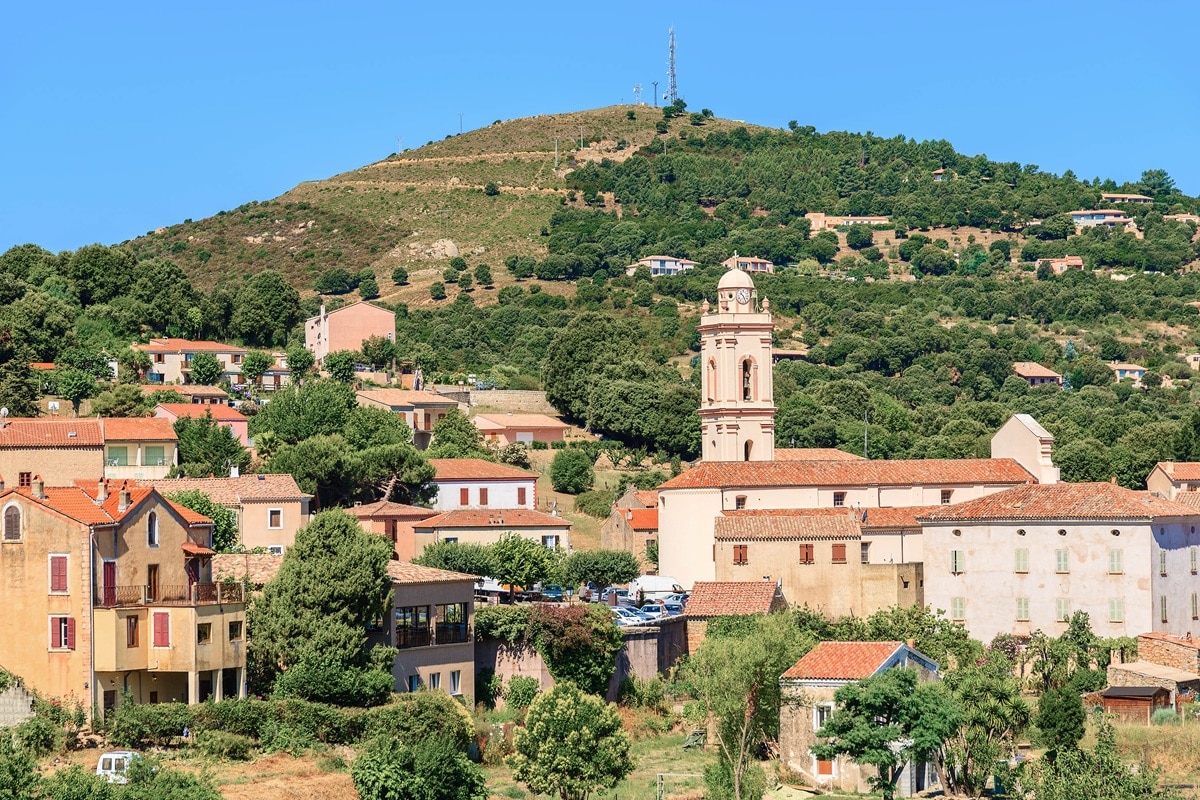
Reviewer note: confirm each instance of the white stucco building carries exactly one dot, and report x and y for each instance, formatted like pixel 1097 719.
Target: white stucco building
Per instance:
pixel 472 483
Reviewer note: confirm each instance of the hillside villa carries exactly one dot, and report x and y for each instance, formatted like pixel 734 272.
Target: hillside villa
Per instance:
pixel 1133 372
pixel 661 265
pixel 1035 374
pixel 421 410
pixel 820 222
pixel 1114 197
pixel 171 359
pixel 347 328
pixel 506 429
pixel 748 264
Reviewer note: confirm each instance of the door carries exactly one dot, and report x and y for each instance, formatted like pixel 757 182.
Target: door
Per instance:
pixel 152 583
pixel 193 574
pixel 110 583
pixel 110 699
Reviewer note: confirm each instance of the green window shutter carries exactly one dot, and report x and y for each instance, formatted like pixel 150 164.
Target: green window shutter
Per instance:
pixel 1162 562
pixel 1193 553
pixel 958 608
pixel 1116 562
pixel 1021 559
pixel 1162 607
pixel 957 561
pixel 1062 560
pixel 1062 609
pixel 1022 609
pixel 1116 610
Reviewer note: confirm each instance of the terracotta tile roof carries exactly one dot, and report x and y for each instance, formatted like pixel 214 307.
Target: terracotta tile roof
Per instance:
pixel 847 661
pixel 1181 470
pixel 232 491
pixel 1166 637
pixel 1031 369
pixel 187 346
pixel 198 549
pixel 257 568
pixel 404 572
pixel 476 469
pixel 1120 196
pixel 56 432
pixel 189 516
pixel 733 527
pixel 42 365
pixel 1099 501
pixel 640 519
pixel 647 497
pixel 138 429
pixel 505 421
pixel 932 471
pixel 868 519
pixel 814 454
pixel 501 519
pixel 1126 367
pixel 386 508
pixel 190 390
pixel 406 397
pixel 733 598
pixel 79 502
pixel 219 411
pixel 1190 499
pixel 355 306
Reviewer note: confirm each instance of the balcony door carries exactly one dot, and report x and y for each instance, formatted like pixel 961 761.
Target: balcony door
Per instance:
pixel 110 583
pixel 152 583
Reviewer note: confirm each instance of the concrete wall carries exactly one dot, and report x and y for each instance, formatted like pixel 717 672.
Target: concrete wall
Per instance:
pixel 533 402
pixel 57 466
pixel 16 706
pixel 254 522
pixel 347 328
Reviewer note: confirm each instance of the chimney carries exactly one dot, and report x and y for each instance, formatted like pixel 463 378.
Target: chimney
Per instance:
pixel 234 471
pixel 38 487
pixel 123 501
pixel 101 492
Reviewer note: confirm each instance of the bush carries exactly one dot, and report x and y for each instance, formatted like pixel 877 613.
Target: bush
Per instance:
pixel 489 687
pixel 596 503
pixel 491 189
pixel 718 781
pixel 1164 716
pixel 240 717
pixel 437 290
pixel 418 717
pixel 521 690
pixel 228 746
pixel 400 276
pixel 557 445
pixel 571 472
pixel 430 769
pixel 648 694
pixel 541 445
pixel 137 725
pixel 37 736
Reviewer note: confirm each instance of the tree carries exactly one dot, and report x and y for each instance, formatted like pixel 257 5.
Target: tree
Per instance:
pixel 734 678
pixel 518 561
pixel 368 426
pixel 1061 719
pixel 886 720
pixel 225 536
pixel 76 386
pixel 265 309
pixel 122 400
pixel 932 260
pixel 299 361
pixel 491 189
pixel 859 237
pixel 483 275
pixel 423 769
pixel 601 567
pixel 206 448
pixel 571 471
pixel 340 365
pixel 1156 181
pixel 577 353
pixel 1084 460
pixel 572 745
pixel 993 717
pixel 18 772
pixel 255 364
pixel 311 619
pixel 378 351
pixel 469 559
pixel 296 413
pixel 455 436
pixel 579 643
pixel 206 369
pixel 465 281
pixel 1090 371
pixel 1056 226
pixel 400 276
pixel 368 288
pixel 321 464
pixel 437 290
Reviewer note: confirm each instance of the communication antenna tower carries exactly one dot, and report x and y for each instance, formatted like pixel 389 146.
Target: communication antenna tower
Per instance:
pixel 655 95
pixel 672 89
pixel 637 94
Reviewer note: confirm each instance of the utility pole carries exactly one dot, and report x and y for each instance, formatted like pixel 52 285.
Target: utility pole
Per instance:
pixel 460 122
pixel 556 152
pixel 580 137
pixel 399 145
pixel 655 83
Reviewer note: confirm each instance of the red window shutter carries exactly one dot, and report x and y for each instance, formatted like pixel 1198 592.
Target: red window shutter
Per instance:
pixel 56 632
pixel 464 497
pixel 483 497
pixel 70 633
pixel 162 629
pixel 839 554
pixel 806 554
pixel 520 495
pixel 58 573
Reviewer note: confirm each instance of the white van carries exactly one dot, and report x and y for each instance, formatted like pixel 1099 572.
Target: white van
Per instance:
pixel 654 587
pixel 113 765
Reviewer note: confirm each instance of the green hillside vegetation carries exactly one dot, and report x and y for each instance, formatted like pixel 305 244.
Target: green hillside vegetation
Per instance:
pixel 501 265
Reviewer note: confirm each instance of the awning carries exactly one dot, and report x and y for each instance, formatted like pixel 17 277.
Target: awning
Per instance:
pixel 194 549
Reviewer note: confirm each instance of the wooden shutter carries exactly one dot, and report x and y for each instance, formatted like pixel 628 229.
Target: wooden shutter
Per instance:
pixel 1021 559
pixel 162 629
pixel 1062 560
pixel 56 632
pixel 958 608
pixel 1116 610
pixel 1116 562
pixel 806 554
pixel 70 633
pixel 1162 562
pixel 1022 609
pixel 58 573
pixel 1193 552
pixel 520 495
pixel 741 554
pixel 1062 610
pixel 464 497
pixel 839 553
pixel 957 562
pixel 483 498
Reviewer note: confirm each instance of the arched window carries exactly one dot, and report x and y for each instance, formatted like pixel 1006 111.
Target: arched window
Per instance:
pixel 748 447
pixel 152 529
pixel 712 380
pixel 747 380
pixel 12 524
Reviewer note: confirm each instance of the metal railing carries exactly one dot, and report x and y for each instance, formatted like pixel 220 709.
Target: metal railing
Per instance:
pixel 170 595
pixel 444 633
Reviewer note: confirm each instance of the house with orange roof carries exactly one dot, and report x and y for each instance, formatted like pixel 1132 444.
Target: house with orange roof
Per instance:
pixel 109 593
pixel 710 599
pixel 196 393
pixel 140 448
pixel 1060 265
pixel 631 530
pixel 224 415
pixel 1170 479
pixel 472 483
pixel 637 498
pixel 483 526
pixel 748 264
pixel 808 688
pixel 1028 558
pixel 421 410
pixel 1117 197
pixel 1133 372
pixel 510 428
pixel 171 359
pixel 814 454
pixel 60 449
pixel 269 509
pixel 1035 374
pixel 346 328
pixel 661 265
pixel 394 521
pixel 432 627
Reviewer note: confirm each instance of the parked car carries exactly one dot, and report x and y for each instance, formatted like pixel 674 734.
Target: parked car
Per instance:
pixel 673 609
pixel 552 593
pixel 628 617
pixel 113 765
pixel 678 597
pixel 623 598
pixel 655 611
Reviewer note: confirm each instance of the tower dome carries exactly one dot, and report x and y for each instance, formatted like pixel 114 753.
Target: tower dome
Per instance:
pixel 735 279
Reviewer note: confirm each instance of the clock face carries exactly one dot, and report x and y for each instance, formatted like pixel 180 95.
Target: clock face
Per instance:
pixel 743 296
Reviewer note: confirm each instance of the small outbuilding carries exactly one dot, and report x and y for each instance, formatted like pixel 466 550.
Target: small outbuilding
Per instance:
pixel 1135 703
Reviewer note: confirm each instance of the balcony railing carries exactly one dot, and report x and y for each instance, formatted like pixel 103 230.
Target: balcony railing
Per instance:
pixel 170 595
pixel 453 633
pixel 444 633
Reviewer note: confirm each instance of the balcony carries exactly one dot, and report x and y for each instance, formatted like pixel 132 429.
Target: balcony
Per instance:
pixel 198 594
pixel 444 633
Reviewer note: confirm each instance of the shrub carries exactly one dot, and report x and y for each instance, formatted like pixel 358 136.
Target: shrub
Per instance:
pixel 420 716
pixel 557 445
pixel 137 725
pixel 596 503
pixel 430 769
pixel 437 290
pixel 521 690
pixel 1164 716
pixel 37 736
pixel 491 189
pixel 400 276
pixel 241 717
pixel 571 472
pixel 541 445
pixel 579 644
pixel 489 687
pixel 228 746
pixel 506 623
pixel 648 694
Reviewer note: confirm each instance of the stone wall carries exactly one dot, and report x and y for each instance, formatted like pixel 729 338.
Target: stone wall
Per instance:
pixel 1172 652
pixel 532 402
pixel 16 706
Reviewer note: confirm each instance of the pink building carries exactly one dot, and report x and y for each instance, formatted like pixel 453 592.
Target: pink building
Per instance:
pixel 224 415
pixel 347 328
pixel 503 429
pixel 421 410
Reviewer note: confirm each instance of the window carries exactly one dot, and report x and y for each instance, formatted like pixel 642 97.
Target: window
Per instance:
pixel 483 499
pixel 958 608
pixel 864 552
pixel 839 553
pixel 821 714
pixel 25 479
pixel 435 680
pixel 160 358
pixel 237 358
pixel 62 633
pixel 1195 606
pixel 275 549
pixel 131 631
pixel 1192 552
pixel 58 573
pixel 741 554
pixel 958 561
pixel 204 633
pixel 1062 561
pixel 1062 609
pixel 1022 609
pixel 1116 562
pixel 413 627
pixel 1162 562
pixel 414 683
pixel 946 495
pixel 839 499
pixel 155 456
pixel 275 518
pixel 235 631
pixel 152 529
pixel 747 381
pixel 12 522
pixel 1116 610
pixel 451 540
pixel 520 495
pixel 806 554
pixel 1162 607
pixel 118 456
pixel 739 502
pixel 464 497
pixel 455 681
pixel 162 628
pixel 152 582
pixel 1021 560
pixel 550 541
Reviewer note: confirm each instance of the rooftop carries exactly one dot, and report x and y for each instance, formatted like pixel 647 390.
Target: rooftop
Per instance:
pixel 218 411
pixel 1161 671
pixel 848 661
pixel 732 598
pixel 1166 637
pixel 762 527
pixel 79 503
pixel 501 421
pixel 857 472
pixel 168 345
pixel 55 432
pixel 475 469
pixel 506 518
pixel 1032 369
pixel 814 454
pixel 867 519
pixel 188 390
pixel 1180 470
pixel 138 429
pixel 232 491
pixel 355 306
pixel 256 568
pixel 405 397
pixel 404 572
pixel 386 508
pixel 1062 501
pixel 641 519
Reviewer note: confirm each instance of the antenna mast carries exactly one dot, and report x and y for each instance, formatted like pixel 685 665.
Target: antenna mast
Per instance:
pixel 637 94
pixel 672 89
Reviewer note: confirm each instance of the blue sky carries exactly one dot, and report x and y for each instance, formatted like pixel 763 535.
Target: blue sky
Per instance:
pixel 119 118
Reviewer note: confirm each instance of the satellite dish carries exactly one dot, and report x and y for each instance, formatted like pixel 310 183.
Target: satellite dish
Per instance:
pixel 4 411
pixel 52 405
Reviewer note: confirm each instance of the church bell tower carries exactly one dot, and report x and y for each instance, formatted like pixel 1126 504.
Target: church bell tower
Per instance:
pixel 737 405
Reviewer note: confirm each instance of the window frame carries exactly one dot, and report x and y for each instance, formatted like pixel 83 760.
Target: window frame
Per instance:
pixel 65 558
pixel 741 555
pixel 958 609
pixel 203 633
pixel 837 553
pixel 271 511
pixel 153 537
pixel 1062 609
pixel 133 636
pixel 839 499
pixel 807 553
pixel 464 496
pixel 946 496
pixel 483 496
pixel 456 681
pixel 958 562
pixel 20 521
pixel 1021 560
pixel 1062 561
pixel 155 643
pixel 1116 554
pixel 1022 611
pixel 62 626
pixel 1162 562
pixel 241 630
pixel 1116 609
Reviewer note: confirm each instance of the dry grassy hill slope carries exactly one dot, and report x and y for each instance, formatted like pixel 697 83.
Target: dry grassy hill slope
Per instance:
pixel 417 209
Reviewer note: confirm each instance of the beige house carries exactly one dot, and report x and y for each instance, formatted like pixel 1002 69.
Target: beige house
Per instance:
pixel 421 410
pixel 433 629
pixel 1060 265
pixel 1028 558
pixel 808 689
pixel 748 264
pixel 1170 479
pixel 224 415
pixel 822 222
pixel 193 393
pixel 347 328
pixel 505 429
pixel 475 483
pixel 395 521
pixel 58 449
pixel 110 592
pixel 728 599
pixel 171 359
pixel 637 498
pixel 1133 372
pixel 631 530
pixel 661 265
pixel 478 526
pixel 1114 197
pixel 1035 374
pixel 270 509
pixel 138 448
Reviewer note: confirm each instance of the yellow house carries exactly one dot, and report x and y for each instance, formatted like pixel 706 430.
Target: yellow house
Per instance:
pixel 269 508
pixel 111 592
pixel 59 449
pixel 139 447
